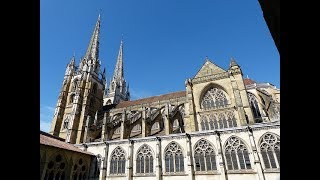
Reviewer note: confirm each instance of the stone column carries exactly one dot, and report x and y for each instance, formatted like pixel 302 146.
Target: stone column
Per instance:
pixel 104 163
pixel 190 166
pixel 166 120
pixel 124 131
pixel 143 123
pixel 255 155
pixel 130 160
pixel 104 133
pixel 158 160
pixel 220 158
pixel 191 124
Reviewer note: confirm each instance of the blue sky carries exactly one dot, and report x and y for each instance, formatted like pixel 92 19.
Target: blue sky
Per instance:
pixel 165 42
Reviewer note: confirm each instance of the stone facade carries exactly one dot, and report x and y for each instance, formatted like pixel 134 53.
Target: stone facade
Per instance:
pixel 222 126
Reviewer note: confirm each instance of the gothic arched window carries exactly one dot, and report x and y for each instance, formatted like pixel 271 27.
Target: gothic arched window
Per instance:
pixel 214 98
pixel 56 168
pixel 174 160
pixel 204 156
pixel 231 119
pixel 237 155
pixel 204 123
pixel 270 150
pixel 254 105
pixel 118 161
pixel 144 160
pixel 66 123
pixel 79 170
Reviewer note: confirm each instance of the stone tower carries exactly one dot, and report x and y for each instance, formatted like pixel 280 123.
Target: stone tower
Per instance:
pixel 118 90
pixel 81 94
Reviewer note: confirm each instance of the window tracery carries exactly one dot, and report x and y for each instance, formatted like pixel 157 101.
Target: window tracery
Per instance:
pixel 237 155
pixel 254 105
pixel 174 160
pixel 118 161
pixel 204 156
pixel 144 162
pixel 214 98
pixel 270 151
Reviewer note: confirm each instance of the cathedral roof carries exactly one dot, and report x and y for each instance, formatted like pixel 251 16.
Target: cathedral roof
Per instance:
pixel 152 99
pixel 49 140
pixel 248 81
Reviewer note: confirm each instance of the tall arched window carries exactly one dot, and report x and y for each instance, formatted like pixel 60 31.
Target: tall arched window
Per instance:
pixel 174 160
pixel 231 119
pixel 254 106
pixel 118 161
pixel 214 98
pixel 270 150
pixel 204 123
pixel 144 161
pixel 66 123
pixel 71 98
pixel 204 156
pixel 237 155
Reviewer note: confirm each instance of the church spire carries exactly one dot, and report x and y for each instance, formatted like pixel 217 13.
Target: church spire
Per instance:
pixel 118 70
pixel 93 48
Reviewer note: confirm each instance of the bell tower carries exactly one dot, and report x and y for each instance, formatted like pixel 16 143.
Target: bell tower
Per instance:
pixel 81 95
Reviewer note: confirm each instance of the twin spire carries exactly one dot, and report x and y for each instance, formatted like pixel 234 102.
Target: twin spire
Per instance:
pixel 92 53
pixel 93 48
pixel 118 71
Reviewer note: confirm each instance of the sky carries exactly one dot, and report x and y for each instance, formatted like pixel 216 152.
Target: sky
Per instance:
pixel 165 42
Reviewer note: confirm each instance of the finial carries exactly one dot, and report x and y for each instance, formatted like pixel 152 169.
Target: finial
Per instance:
pixel 100 11
pixel 233 62
pixel 74 53
pixel 207 59
pixel 247 76
pixel 121 38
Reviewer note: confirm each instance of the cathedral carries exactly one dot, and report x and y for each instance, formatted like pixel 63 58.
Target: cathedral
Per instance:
pixel 221 126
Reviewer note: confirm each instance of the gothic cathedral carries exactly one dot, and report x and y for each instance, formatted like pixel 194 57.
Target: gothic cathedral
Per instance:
pixel 221 126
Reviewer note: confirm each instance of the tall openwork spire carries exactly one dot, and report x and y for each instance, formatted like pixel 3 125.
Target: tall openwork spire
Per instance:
pixel 93 48
pixel 118 70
